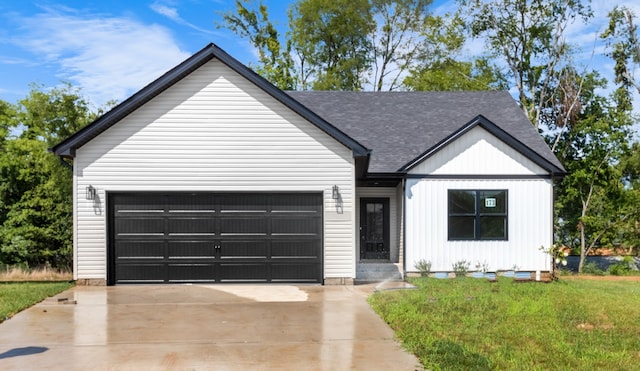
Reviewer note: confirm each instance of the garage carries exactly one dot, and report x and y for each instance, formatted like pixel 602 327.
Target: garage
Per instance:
pixel 214 237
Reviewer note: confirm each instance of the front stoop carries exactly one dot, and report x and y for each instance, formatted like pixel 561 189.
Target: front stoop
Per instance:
pixel 377 272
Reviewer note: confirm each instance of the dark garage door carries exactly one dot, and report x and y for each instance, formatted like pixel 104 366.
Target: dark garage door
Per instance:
pixel 213 237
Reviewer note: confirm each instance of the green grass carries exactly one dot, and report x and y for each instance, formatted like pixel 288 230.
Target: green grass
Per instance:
pixel 472 324
pixel 15 297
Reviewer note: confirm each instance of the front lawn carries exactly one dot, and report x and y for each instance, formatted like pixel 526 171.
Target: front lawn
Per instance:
pixel 15 297
pixel 472 324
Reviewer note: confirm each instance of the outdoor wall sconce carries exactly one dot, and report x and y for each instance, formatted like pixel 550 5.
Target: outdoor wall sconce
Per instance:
pixel 90 193
pixel 335 194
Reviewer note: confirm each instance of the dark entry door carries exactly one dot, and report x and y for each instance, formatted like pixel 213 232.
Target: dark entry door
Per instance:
pixel 374 228
pixel 215 237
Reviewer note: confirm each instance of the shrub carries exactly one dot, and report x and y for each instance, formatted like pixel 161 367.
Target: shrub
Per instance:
pixel 461 267
pixel 423 266
pixel 621 268
pixel 592 268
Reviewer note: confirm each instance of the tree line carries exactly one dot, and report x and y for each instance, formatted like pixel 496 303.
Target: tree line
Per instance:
pixel 386 45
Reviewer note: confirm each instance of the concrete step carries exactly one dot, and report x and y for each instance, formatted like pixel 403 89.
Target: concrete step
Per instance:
pixel 377 272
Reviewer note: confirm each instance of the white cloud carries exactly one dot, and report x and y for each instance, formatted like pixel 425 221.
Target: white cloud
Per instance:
pixel 172 14
pixel 108 57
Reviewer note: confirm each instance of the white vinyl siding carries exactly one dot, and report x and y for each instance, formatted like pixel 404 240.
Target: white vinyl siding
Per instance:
pixel 478 152
pixel 214 131
pixel 530 225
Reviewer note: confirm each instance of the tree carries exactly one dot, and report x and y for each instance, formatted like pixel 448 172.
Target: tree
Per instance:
pixel 275 62
pixel 35 187
pixel 341 45
pixel 331 38
pixel 624 48
pixel 591 201
pixel 452 75
pixel 528 37
pixel 397 39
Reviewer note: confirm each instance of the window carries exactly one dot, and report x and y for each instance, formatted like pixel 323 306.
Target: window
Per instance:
pixel 477 214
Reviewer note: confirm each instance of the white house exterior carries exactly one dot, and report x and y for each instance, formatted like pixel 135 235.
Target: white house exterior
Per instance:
pixel 212 174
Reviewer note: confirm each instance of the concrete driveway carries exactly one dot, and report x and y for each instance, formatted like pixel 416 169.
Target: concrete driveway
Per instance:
pixel 214 327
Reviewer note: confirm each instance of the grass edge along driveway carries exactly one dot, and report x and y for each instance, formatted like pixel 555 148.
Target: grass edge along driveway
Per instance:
pixel 472 324
pixel 17 296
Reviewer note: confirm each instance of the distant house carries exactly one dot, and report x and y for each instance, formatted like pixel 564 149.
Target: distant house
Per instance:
pixel 212 174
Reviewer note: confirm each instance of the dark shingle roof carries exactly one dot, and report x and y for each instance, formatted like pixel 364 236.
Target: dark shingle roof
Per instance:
pixel 400 126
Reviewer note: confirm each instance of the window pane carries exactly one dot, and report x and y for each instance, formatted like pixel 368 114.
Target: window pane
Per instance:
pixel 493 202
pixel 493 227
pixel 461 228
pixel 375 221
pixel 462 202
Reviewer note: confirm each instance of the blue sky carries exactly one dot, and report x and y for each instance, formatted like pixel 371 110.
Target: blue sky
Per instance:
pixel 112 48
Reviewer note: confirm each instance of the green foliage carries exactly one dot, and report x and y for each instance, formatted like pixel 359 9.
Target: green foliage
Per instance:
pixel 528 36
pixel 276 64
pixel 35 187
pixel 591 200
pixel 15 297
pixel 461 267
pixel 622 268
pixel 592 268
pixel 474 324
pixel 331 38
pixel 624 48
pixel 452 75
pixel 399 40
pixel 423 266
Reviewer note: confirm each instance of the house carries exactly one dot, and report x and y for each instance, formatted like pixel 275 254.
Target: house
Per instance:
pixel 212 174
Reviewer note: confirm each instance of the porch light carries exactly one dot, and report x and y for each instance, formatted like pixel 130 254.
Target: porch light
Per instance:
pixel 90 193
pixel 335 194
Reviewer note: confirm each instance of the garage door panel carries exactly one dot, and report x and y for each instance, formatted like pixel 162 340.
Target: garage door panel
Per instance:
pixel 192 249
pixel 135 202
pixel 215 237
pixel 297 203
pixel 141 273
pixel 192 272
pixel 295 226
pixel 230 203
pixel 243 226
pixel 252 249
pixel 139 249
pixel 192 226
pixel 296 272
pixel 126 226
pixel 283 249
pixel 194 203
pixel 243 272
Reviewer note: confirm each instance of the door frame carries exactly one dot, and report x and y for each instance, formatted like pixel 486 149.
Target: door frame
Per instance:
pixel 386 226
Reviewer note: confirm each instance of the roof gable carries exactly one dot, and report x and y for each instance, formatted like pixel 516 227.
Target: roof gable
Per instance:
pixel 482 122
pixel 68 147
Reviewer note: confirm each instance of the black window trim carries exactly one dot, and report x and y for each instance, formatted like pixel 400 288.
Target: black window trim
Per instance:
pixel 477 215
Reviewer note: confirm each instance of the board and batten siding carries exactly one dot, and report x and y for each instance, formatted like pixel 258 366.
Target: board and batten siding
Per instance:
pixel 530 206
pixel 478 152
pixel 214 131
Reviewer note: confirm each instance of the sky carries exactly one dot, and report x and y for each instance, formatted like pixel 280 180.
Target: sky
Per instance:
pixel 112 48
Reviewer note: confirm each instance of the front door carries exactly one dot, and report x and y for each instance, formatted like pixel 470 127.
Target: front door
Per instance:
pixel 374 228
